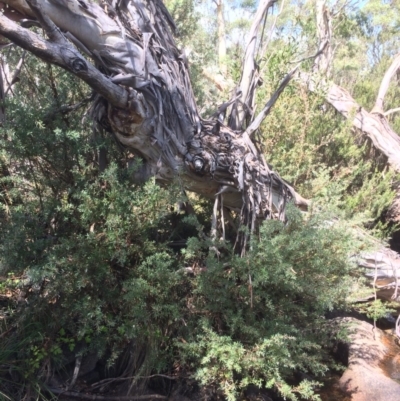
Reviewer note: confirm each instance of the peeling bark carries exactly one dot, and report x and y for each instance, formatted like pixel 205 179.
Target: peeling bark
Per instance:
pixel 373 126
pixel 242 109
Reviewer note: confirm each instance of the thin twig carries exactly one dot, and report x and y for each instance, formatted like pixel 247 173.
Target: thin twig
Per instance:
pixel 107 381
pixel 251 291
pixel 82 396
pixel 222 215
pixel 322 48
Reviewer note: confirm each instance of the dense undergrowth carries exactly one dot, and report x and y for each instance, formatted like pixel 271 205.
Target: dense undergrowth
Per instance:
pixel 95 264
pixel 95 272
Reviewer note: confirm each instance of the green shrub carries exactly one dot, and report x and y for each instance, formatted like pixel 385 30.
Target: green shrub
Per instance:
pixel 262 316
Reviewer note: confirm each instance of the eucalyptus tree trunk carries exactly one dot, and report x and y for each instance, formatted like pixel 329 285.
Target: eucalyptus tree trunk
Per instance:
pixel 144 96
pixel 221 36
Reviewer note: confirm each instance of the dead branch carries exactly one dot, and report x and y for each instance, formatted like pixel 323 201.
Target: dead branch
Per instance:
pixel 65 56
pixel 374 126
pixel 242 108
pixel 83 396
pixel 150 106
pixel 391 111
pixel 322 63
pixel 392 70
pixel 17 72
pixel 265 111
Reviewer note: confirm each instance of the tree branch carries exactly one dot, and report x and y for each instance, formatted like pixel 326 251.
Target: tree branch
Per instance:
pixel 52 31
pixel 249 79
pixel 67 57
pixel 374 126
pixel 322 62
pixel 265 111
pixel 83 396
pixel 391 111
pixel 16 73
pixel 394 67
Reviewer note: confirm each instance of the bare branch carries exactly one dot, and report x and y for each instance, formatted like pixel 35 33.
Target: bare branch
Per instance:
pixel 265 111
pixel 2 96
pixel 397 327
pixel 322 63
pixel 391 111
pixel 67 57
pixel 52 31
pixel 83 396
pixel 319 51
pixel 249 79
pixel 392 70
pixel 77 368
pixel 16 73
pixel 374 126
pixel 271 31
pixel 221 37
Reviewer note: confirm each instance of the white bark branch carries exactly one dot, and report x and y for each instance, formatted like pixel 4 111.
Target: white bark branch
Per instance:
pixel 322 63
pixel 249 79
pixel 221 37
pixel 16 73
pixel 374 126
pixel 391 111
pixel 392 70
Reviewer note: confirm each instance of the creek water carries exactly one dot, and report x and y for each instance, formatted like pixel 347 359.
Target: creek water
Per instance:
pixel 390 366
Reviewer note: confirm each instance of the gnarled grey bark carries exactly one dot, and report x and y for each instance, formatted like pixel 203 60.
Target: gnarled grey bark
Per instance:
pixel 145 97
pixel 242 109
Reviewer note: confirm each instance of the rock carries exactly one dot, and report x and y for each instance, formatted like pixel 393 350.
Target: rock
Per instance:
pixel 395 367
pixel 365 380
pixel 382 263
